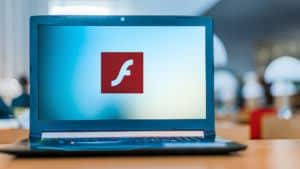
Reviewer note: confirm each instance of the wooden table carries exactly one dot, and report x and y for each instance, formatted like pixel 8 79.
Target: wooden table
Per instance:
pixel 12 135
pixel 260 154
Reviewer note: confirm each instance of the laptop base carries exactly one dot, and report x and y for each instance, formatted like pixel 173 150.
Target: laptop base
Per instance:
pixel 220 146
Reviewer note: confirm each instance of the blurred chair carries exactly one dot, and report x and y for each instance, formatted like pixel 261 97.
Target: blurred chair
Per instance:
pixel 21 103
pixel 23 99
pixel 9 89
pixel 282 73
pixel 252 91
pixel 256 117
pixel 5 111
pixel 279 122
pixel 274 128
pixel 253 98
pixel 226 88
pixel 226 83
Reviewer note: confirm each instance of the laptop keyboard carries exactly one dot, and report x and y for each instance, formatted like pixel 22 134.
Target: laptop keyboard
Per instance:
pixel 136 140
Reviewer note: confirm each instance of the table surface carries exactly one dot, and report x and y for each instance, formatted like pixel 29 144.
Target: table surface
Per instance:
pixel 260 154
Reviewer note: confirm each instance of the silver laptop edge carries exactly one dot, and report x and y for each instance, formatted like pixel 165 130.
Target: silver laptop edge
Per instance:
pixel 119 134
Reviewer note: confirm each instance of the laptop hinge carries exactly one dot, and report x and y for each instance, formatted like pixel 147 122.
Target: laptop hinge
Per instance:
pixel 120 134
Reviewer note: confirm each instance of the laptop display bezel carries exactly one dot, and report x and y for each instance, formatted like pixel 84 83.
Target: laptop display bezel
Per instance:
pixel 37 126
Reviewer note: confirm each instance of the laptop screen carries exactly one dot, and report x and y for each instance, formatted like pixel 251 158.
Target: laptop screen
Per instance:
pixel 121 72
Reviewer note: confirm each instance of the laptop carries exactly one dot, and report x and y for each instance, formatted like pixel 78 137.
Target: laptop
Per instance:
pixel 111 85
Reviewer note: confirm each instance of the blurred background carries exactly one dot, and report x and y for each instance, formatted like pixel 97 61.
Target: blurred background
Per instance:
pixel 256 50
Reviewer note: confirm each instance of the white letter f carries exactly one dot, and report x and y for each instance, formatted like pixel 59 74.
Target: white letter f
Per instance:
pixel 122 73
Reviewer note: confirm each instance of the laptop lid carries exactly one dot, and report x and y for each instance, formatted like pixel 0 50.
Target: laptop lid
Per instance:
pixel 121 73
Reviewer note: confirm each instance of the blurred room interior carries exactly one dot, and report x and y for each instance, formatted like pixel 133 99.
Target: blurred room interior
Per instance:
pixel 256 50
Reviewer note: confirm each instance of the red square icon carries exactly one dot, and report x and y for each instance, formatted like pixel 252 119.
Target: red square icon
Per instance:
pixel 122 72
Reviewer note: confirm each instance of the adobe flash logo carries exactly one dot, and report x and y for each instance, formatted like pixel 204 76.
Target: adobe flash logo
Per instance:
pixel 122 72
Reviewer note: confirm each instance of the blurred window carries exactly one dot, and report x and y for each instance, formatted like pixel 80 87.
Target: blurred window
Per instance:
pixel 79 7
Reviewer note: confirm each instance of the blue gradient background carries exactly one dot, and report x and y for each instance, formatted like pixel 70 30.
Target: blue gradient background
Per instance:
pixel 69 72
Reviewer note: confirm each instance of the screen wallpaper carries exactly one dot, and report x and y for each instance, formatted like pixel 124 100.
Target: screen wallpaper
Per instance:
pixel 111 72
